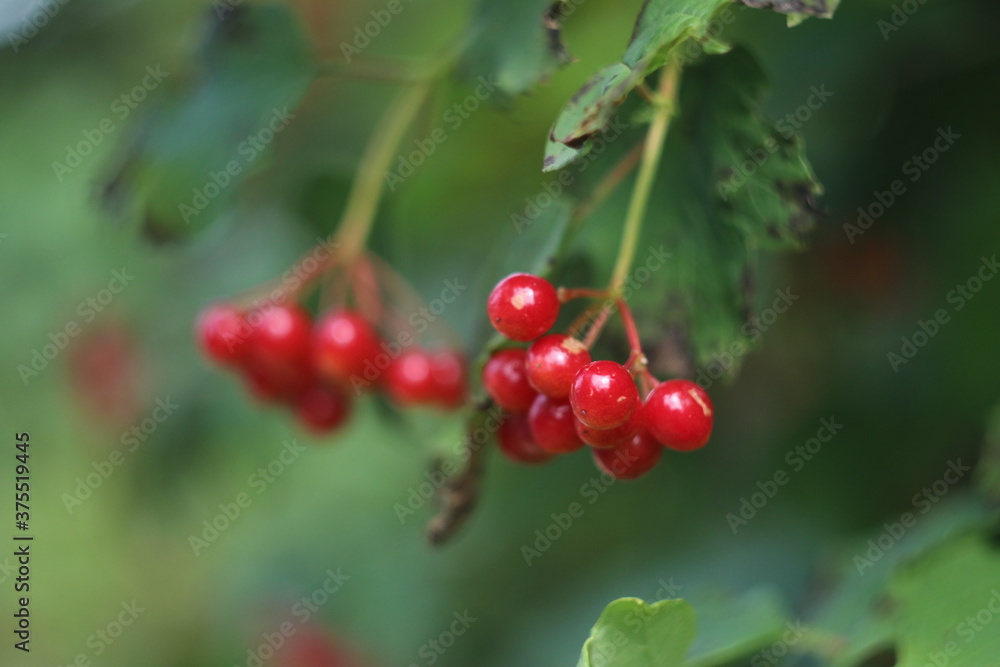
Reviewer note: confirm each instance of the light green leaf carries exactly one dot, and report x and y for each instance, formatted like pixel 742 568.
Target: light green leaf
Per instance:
pixel 664 24
pixel 733 627
pixel 948 605
pixel 631 633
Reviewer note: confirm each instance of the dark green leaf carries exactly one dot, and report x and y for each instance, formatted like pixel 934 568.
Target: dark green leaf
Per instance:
pixel 199 142
pixel 518 42
pixel 586 114
pixel 731 184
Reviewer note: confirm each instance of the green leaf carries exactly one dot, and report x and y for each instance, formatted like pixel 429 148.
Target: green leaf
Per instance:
pixel 731 184
pixel 586 114
pixel 733 627
pixel 663 24
pixel 948 605
pixel 199 142
pixel 797 10
pixel 631 633
pixel 517 41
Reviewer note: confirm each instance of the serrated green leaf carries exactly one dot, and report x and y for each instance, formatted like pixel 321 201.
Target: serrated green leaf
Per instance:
pixel 706 219
pixel 586 114
pixel 797 10
pixel 631 633
pixel 663 24
pixel 517 41
pixel 197 143
pixel 948 606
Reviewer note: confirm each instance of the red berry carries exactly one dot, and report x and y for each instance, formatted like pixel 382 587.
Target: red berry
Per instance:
pixel 631 459
pixel 278 349
pixel 611 437
pixel 323 408
pixel 222 332
pixel 409 380
pixel 553 425
pixel 603 395
pixel 505 378
pixel 344 346
pixel 517 443
pixel 553 361
pixel 679 414
pixel 449 376
pixel 523 307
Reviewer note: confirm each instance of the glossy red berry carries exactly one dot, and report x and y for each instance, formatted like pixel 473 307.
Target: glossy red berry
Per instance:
pixel 631 459
pixel 517 443
pixel 679 414
pixel 612 437
pixel 278 350
pixel 409 379
pixel 222 333
pixel 323 408
pixel 345 347
pixel 603 395
pixel 448 373
pixel 523 307
pixel 553 361
pixel 505 378
pixel 553 425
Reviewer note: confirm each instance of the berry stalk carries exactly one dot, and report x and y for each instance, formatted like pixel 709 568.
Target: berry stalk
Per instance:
pixel 652 151
pixel 366 191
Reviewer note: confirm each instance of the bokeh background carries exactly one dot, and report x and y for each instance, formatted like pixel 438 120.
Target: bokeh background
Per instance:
pixel 333 509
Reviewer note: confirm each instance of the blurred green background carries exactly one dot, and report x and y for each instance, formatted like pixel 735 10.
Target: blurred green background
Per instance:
pixel 333 509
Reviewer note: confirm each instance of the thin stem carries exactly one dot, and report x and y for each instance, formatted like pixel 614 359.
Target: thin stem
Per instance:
pixel 653 150
pixel 359 215
pixel 631 330
pixel 570 293
pixel 607 185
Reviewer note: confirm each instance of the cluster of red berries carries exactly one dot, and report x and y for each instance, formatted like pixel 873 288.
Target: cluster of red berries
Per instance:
pixel 315 368
pixel 559 399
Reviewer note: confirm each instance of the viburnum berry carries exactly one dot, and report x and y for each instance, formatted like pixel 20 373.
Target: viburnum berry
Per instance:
pixel 632 459
pixel 345 346
pixel 552 425
pixel 553 361
pixel 679 415
pixel 221 331
pixel 323 408
pixel 517 443
pixel 278 350
pixel 603 395
pixel 505 378
pixel 448 371
pixel 523 307
pixel 419 377
pixel 612 437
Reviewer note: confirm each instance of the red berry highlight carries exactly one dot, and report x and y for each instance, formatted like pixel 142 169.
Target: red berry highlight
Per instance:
pixel 632 459
pixel 679 415
pixel 553 425
pixel 523 307
pixel 505 378
pixel 278 351
pixel 603 395
pixel 553 361
pixel 517 443
pixel 344 347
